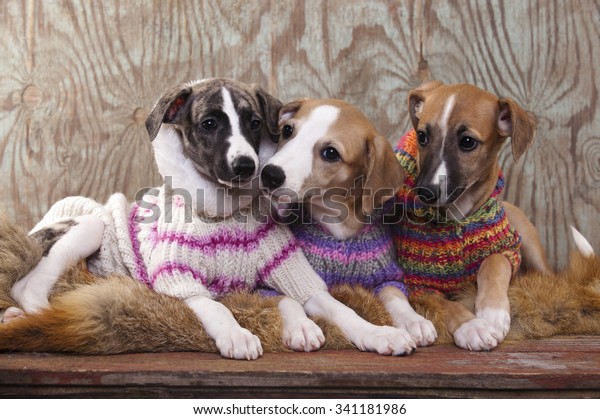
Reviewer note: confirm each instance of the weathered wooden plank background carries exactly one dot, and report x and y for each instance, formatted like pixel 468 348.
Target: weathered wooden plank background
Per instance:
pixel 78 77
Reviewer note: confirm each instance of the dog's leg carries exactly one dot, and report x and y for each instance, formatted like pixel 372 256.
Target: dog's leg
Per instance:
pixel 492 302
pixel 455 313
pixel 299 332
pixel 492 308
pixel 468 331
pixel 406 318
pixel 232 340
pixel 385 340
pixel 64 244
pixel 532 251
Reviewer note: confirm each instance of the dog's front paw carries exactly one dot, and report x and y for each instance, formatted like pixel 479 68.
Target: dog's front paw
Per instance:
pixel 239 344
pixel 419 328
pixel 304 335
pixel 10 314
pixel 387 340
pixel 499 319
pixel 476 335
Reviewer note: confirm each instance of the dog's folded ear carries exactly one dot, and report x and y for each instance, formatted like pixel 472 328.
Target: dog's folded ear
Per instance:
pixel 416 98
pixel 269 107
pixel 516 123
pixel 168 109
pixel 290 109
pixel 384 177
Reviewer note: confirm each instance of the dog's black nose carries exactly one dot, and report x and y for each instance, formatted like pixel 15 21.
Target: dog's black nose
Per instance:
pixel 272 176
pixel 243 167
pixel 428 194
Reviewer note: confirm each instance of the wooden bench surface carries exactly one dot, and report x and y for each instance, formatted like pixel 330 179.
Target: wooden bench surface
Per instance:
pixel 557 367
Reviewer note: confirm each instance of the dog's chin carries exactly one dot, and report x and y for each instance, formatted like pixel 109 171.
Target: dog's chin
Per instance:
pixel 456 193
pixel 236 183
pixel 440 203
pixel 284 210
pixel 283 207
pixel 444 202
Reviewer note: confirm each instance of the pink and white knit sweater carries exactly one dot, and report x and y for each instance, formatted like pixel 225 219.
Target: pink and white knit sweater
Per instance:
pixel 165 245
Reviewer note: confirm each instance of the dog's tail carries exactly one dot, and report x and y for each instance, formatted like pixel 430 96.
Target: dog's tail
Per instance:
pixel 567 302
pixel 19 253
pixel 584 246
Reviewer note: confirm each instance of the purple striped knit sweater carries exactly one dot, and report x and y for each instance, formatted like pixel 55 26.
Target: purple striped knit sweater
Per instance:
pixel 368 258
pixel 182 254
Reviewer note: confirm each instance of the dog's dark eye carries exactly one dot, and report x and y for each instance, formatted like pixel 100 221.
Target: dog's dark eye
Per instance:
pixel 287 131
pixel 255 124
pixel 422 138
pixel 209 124
pixel 468 144
pixel 330 154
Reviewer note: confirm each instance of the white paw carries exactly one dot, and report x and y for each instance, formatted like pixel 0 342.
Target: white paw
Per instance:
pixel 304 335
pixel 239 343
pixel 499 319
pixel 386 340
pixel 419 328
pixel 476 335
pixel 10 314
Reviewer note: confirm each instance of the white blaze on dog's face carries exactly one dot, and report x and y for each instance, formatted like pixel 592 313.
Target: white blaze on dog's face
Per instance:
pixel 460 131
pixel 304 136
pixel 330 150
pixel 239 148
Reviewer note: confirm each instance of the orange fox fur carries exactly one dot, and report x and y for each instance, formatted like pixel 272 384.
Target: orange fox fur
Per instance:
pixel 92 315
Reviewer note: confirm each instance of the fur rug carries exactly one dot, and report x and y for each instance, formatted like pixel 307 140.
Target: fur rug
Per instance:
pixel 92 315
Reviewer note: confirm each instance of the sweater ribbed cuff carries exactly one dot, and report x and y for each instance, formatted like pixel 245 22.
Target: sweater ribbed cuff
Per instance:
pixel 296 279
pixel 180 286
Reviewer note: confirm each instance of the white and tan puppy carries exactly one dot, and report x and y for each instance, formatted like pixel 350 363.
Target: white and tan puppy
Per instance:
pixel 332 160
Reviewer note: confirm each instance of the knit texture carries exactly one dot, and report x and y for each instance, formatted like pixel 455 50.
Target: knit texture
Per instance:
pixel 368 258
pixel 442 255
pixel 173 251
pixel 116 254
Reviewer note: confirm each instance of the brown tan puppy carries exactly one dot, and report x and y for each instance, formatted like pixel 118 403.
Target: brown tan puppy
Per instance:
pixel 458 230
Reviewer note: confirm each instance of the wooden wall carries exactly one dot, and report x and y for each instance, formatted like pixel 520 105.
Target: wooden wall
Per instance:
pixel 77 79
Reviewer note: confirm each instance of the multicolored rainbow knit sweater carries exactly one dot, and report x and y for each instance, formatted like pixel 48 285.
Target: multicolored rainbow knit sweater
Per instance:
pixel 442 255
pixel 174 251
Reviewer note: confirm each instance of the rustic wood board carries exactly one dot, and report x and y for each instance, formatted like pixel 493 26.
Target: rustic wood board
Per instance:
pixel 559 367
pixel 77 79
